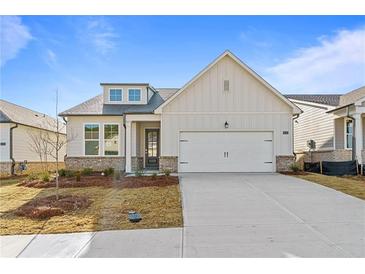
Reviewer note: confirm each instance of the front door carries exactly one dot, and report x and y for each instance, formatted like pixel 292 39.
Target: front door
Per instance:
pixel 152 148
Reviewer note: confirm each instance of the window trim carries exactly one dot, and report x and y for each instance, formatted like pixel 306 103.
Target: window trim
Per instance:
pixel 119 142
pixel 345 132
pixel 121 95
pixel 140 94
pixel 84 140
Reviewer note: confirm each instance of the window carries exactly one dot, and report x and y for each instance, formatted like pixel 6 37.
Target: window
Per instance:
pixel 91 137
pixel 134 95
pixel 111 139
pixel 348 133
pixel 115 95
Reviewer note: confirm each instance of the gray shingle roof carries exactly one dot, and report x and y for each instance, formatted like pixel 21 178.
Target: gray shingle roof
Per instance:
pixel 325 99
pixel 10 112
pixel 95 106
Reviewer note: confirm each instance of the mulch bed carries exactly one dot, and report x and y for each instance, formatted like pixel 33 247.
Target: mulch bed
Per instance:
pixel 103 181
pixel 46 207
pixel 294 173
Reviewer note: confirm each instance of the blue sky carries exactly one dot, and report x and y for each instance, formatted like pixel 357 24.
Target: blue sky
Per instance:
pixel 296 54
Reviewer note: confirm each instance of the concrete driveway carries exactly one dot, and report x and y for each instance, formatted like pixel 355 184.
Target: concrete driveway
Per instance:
pixel 257 215
pixel 226 215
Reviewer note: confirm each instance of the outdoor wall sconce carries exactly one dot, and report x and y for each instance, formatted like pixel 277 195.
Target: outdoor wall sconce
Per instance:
pixel 226 125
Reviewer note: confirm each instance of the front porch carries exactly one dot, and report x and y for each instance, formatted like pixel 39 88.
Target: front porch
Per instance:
pixel 142 142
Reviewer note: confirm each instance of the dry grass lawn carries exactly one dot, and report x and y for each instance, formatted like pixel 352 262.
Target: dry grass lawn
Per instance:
pixel 351 185
pixel 159 207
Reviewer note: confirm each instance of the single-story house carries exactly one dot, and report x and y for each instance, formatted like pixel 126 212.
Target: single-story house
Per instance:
pixel 226 119
pixel 334 122
pixel 22 131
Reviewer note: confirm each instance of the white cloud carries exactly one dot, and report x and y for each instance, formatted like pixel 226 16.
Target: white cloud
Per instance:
pixel 50 58
pixel 337 64
pixel 14 37
pixel 101 34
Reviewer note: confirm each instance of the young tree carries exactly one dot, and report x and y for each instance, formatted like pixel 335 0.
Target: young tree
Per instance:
pixel 39 145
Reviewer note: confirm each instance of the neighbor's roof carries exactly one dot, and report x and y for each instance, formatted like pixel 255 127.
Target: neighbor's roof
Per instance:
pixel 12 113
pixel 166 93
pixel 352 96
pixel 325 99
pixel 95 106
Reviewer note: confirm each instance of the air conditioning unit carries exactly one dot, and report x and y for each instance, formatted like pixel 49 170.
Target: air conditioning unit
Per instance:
pixel 311 144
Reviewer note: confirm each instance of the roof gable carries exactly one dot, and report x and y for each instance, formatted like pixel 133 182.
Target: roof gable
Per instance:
pixel 296 110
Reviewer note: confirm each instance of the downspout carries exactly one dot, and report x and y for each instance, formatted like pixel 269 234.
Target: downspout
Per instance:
pixel 12 170
pixel 353 156
pixel 296 116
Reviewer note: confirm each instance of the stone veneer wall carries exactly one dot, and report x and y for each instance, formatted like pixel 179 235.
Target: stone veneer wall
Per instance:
pixel 5 168
pixel 168 162
pixel 137 163
pixel 96 163
pixel 283 162
pixel 336 155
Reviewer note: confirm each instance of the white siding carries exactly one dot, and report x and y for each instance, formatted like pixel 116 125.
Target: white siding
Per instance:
pixel 313 124
pixel 248 105
pixel 22 145
pixel 75 132
pixel 4 138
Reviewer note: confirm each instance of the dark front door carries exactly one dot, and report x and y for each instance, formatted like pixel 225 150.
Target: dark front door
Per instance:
pixel 152 148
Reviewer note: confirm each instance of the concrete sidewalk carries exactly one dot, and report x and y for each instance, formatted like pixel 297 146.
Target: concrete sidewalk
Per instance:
pixel 119 243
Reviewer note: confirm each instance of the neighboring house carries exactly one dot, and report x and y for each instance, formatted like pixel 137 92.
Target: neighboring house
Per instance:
pixel 20 132
pixel 226 119
pixel 329 120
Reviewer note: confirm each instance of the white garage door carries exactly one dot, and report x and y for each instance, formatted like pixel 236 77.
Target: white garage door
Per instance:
pixel 226 152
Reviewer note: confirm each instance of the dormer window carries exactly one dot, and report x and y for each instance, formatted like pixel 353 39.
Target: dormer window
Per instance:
pixel 115 95
pixel 134 95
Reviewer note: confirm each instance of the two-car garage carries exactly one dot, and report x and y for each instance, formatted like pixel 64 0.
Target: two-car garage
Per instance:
pixel 226 151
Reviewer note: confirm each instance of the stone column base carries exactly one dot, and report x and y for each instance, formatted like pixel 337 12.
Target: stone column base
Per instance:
pixel 137 163
pixel 96 163
pixel 283 162
pixel 5 168
pixel 168 162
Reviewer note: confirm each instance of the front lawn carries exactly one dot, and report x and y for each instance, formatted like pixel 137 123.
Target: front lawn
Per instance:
pixel 351 185
pixel 160 206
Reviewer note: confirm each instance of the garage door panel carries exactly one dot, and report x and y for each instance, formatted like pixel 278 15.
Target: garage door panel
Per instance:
pixel 226 152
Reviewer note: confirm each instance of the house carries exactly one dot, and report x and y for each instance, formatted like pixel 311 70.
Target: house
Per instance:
pixel 21 133
pixel 334 123
pixel 226 119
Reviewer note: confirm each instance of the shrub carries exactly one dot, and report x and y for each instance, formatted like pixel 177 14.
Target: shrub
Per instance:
pixel 139 173
pixel 108 171
pixel 294 167
pixel 167 172
pixel 44 177
pixel 78 176
pixel 33 176
pixel 62 172
pixel 87 171
pixel 154 175
pixel 69 173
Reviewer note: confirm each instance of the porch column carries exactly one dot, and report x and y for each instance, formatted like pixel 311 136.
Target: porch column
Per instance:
pixel 358 136
pixel 128 146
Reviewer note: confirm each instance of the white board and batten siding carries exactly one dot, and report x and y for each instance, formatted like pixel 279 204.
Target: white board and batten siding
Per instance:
pixel 249 105
pixel 314 124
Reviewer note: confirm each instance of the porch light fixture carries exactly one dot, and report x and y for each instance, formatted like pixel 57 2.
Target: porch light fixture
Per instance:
pixel 226 125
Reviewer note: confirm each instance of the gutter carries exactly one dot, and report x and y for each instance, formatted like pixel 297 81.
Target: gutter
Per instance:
pixel 11 149
pixel 295 116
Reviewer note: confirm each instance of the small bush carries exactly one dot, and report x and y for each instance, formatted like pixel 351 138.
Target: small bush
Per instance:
pixel 78 176
pixel 108 171
pixel 69 173
pixel 294 167
pixel 33 176
pixel 62 172
pixel 167 172
pixel 154 176
pixel 87 171
pixel 44 177
pixel 138 173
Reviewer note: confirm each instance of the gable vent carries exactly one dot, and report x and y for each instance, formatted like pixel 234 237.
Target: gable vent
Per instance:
pixel 226 85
